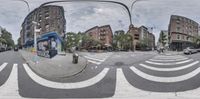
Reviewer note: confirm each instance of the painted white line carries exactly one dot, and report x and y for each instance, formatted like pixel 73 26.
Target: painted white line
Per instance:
pixel 181 62
pixel 124 89
pixel 10 89
pixel 165 79
pixel 174 57
pixel 169 60
pixel 94 62
pixel 169 56
pixel 58 85
pixel 95 59
pixel 169 69
pixel 3 66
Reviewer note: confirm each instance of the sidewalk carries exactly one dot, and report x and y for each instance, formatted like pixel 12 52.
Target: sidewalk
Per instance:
pixel 58 67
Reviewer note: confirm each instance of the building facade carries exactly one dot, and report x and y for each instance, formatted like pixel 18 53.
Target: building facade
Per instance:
pixel 165 37
pixel 140 36
pixel 182 32
pixel 103 34
pixel 49 18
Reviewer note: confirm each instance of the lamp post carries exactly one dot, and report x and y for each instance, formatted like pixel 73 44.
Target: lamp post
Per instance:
pixel 35 35
pixel 131 25
pixel 26 4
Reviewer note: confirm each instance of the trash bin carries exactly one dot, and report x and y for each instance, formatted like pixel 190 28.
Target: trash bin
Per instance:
pixel 75 58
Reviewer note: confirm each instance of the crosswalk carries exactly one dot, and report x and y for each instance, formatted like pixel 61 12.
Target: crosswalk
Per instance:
pixel 167 63
pixel 124 87
pixel 97 58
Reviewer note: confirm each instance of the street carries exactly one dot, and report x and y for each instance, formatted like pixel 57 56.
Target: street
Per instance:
pixel 117 75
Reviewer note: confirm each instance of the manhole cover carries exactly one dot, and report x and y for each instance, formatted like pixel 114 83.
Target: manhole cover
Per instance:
pixel 119 63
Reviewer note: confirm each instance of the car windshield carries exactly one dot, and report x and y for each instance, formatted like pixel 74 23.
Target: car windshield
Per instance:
pixel 99 49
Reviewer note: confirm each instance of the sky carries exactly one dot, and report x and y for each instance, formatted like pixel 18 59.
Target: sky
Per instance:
pixel 83 16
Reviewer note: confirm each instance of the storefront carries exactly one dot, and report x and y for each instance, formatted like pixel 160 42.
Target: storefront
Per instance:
pixel 49 44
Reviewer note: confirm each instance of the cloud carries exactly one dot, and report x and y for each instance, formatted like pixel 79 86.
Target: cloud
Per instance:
pixel 82 16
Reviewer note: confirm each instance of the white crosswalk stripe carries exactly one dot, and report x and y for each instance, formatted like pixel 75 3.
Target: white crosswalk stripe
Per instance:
pixel 167 64
pixel 97 58
pixel 9 90
pixel 3 66
pixel 168 60
pixel 58 85
pixel 166 79
pixel 170 69
pixel 156 63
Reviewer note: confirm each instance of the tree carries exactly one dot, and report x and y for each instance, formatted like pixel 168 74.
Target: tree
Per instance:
pixel 3 41
pixel 8 37
pixel 70 40
pixel 143 44
pixel 163 39
pixel 19 41
pixel 122 40
pixel 197 41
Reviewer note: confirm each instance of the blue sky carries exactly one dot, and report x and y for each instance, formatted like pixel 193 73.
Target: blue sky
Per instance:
pixel 82 16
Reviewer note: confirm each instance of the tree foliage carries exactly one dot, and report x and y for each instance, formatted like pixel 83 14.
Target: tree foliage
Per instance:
pixel 7 36
pixel 162 38
pixel 122 40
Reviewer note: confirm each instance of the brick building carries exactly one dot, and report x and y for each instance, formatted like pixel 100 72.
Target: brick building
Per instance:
pixel 141 35
pixel 50 18
pixel 182 32
pixel 103 34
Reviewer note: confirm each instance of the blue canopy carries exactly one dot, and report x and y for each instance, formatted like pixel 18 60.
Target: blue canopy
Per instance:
pixel 46 36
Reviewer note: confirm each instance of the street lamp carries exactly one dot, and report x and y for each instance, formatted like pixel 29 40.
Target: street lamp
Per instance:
pixel 26 4
pixel 131 25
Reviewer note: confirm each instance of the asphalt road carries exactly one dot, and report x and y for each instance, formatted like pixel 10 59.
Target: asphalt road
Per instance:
pixel 146 71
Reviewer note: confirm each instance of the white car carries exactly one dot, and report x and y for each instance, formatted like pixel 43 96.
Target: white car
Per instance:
pixel 190 50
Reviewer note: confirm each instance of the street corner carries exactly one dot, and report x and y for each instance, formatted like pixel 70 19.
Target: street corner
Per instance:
pixel 58 66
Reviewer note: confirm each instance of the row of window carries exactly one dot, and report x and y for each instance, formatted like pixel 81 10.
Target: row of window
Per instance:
pixel 178 29
pixel 178 19
pixel 182 37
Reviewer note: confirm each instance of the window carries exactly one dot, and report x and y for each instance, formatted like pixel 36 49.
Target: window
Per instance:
pixel 178 36
pixel 187 38
pixel 183 37
pixel 47 27
pixel 178 29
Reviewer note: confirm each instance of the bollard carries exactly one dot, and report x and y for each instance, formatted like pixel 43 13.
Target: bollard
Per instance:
pixel 75 58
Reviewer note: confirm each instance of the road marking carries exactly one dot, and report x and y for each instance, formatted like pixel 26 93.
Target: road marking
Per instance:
pixel 161 56
pixel 169 69
pixel 179 57
pixel 166 79
pixel 176 63
pixel 172 58
pixel 95 59
pixel 94 62
pixel 58 85
pixel 124 89
pixel 10 89
pixel 3 66
pixel 167 60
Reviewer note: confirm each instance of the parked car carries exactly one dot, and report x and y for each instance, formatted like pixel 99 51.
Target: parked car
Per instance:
pixel 15 48
pixel 190 50
pixel 8 48
pixel 2 49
